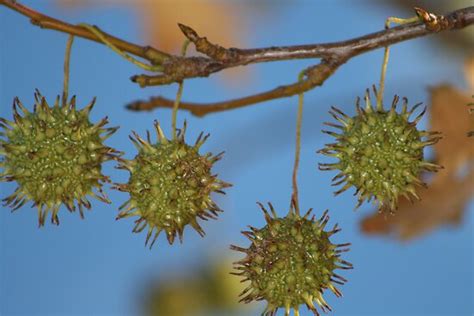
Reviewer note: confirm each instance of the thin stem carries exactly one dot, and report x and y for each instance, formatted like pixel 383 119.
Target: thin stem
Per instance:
pixel 175 108
pixel 401 21
pixel 386 54
pixel 382 79
pixel 97 32
pixel 67 57
pixel 299 120
pixel 177 100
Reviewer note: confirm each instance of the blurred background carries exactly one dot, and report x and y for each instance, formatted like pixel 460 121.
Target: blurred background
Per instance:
pixel 419 262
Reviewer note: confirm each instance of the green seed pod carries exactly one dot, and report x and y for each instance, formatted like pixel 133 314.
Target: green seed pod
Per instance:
pixel 379 152
pixel 170 185
pixel 290 262
pixel 55 155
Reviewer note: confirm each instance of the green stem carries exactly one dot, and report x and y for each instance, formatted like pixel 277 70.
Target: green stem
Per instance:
pixel 386 54
pixel 97 32
pixel 67 58
pixel 177 100
pixel 382 79
pixel 299 120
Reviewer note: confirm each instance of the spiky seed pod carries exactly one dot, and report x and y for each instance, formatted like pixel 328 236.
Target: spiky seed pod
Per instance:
pixel 290 262
pixel 170 185
pixel 379 152
pixel 55 155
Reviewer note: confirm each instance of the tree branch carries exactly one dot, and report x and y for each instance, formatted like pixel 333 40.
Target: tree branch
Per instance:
pixel 315 76
pixel 177 68
pixel 147 52
pixel 333 54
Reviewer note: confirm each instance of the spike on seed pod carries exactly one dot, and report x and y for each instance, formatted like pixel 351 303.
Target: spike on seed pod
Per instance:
pixel 380 153
pixel 170 186
pixel 290 262
pixel 54 154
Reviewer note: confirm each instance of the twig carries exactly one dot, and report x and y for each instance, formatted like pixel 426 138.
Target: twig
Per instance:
pixel 221 58
pixel 417 18
pixel 333 55
pixel 177 68
pixel 152 54
pixel 316 75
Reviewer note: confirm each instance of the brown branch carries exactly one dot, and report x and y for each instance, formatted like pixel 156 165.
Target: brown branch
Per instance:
pixel 333 56
pixel 315 75
pixel 177 68
pixel 221 58
pixel 152 54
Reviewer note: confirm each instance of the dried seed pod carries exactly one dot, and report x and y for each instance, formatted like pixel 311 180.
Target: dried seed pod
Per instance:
pixel 379 152
pixel 290 262
pixel 170 185
pixel 54 154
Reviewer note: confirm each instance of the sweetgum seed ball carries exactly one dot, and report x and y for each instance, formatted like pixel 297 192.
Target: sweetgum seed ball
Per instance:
pixel 54 154
pixel 290 262
pixel 379 152
pixel 170 186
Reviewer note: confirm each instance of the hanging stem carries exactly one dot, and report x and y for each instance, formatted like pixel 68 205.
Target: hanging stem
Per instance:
pixel 299 120
pixel 386 54
pixel 177 100
pixel 382 79
pixel 97 32
pixel 67 57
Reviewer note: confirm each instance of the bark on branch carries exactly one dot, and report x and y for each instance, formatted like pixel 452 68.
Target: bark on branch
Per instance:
pixel 315 76
pixel 177 68
pixel 333 55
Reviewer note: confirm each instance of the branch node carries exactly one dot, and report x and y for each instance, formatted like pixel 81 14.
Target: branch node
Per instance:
pixel 214 51
pixel 433 22
pixel 158 80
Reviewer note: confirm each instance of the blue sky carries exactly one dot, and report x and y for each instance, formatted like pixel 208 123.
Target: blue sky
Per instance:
pixel 97 266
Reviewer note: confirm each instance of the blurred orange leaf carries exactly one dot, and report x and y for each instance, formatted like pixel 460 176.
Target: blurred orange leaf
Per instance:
pixel 216 20
pixel 220 21
pixel 445 199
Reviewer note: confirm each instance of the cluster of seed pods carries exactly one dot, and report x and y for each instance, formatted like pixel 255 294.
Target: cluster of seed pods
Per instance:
pixel 55 156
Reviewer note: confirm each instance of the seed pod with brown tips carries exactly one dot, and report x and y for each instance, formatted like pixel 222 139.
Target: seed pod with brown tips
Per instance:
pixel 55 155
pixel 290 262
pixel 379 152
pixel 170 185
